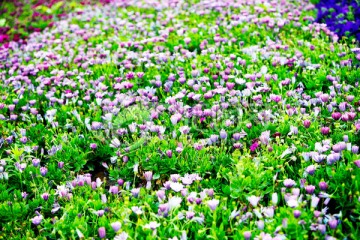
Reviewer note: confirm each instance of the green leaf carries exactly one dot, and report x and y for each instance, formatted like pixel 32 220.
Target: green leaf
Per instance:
pixel 2 22
pixel 56 6
pixel 156 176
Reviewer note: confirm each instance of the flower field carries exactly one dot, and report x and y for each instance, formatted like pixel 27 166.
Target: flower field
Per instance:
pixel 174 119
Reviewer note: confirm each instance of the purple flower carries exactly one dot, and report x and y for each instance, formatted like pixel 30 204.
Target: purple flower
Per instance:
pixel 120 182
pixel 333 223
pixel 310 169
pixel 324 97
pixel 310 189
pixel 322 228
pixel 135 192
pixel 247 235
pixel 100 213
pixel 210 192
pixel 37 220
pixel 169 153
pixel 350 98
pixel 43 171
pixel 102 232
pixel 355 149
pixel 116 226
pixel 96 125
pixel 130 75
pixel 24 195
pixel 190 214
pixel 198 201
pixel 45 196
pixel 60 165
pixel 223 134
pixel 23 140
pixel 114 190
pixel 35 162
pixel 297 213
pixel 289 183
pixel 163 209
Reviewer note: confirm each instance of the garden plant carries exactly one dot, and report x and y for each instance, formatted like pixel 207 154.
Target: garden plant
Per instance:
pixel 179 119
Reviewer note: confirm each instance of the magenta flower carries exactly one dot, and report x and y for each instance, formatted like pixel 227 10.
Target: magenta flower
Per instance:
pixel 307 123
pixel 357 163
pixel 93 146
pixel 325 130
pixel 323 186
pixel 336 115
pixel 60 165
pixel 254 146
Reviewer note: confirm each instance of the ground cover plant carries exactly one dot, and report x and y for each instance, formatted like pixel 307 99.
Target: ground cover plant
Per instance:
pixel 195 119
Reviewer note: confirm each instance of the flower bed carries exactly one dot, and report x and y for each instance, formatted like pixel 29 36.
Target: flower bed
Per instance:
pixel 181 120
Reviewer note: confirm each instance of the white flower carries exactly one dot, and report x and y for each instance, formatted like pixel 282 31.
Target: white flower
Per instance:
pixel 113 159
pixel 213 204
pixel 177 187
pixel 108 117
pixel 137 210
pixel 98 182
pixel 234 214
pixel 122 236
pixel 152 225
pixel 79 233
pixel 174 202
pixel 292 203
pixel 314 201
pixel 253 200
pixel 274 198
pixel 115 143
